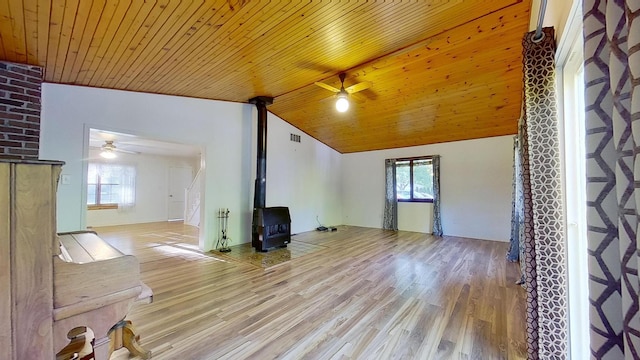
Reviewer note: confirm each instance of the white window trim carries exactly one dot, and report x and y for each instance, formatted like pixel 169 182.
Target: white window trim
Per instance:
pixel 570 59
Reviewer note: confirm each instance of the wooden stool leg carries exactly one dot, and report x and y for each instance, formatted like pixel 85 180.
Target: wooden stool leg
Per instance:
pixel 123 335
pixel 115 338
pixel 130 341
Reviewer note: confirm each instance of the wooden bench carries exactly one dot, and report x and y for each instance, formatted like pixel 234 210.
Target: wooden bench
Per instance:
pixel 95 286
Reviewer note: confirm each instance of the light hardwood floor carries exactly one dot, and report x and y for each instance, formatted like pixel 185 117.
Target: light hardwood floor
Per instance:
pixel 366 294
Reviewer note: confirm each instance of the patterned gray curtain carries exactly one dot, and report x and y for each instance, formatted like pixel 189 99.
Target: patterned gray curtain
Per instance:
pixel 390 217
pixel 517 206
pixel 612 79
pixel 437 219
pixel 545 265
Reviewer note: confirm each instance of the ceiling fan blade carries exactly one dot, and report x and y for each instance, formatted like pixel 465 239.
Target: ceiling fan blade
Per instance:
pixel 127 151
pixel 358 87
pixel 328 98
pixel 357 98
pixel 327 87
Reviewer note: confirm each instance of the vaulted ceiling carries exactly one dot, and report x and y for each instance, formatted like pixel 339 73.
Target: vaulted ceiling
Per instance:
pixel 441 70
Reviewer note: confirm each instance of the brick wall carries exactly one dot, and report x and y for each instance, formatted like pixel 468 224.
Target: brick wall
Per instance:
pixel 19 110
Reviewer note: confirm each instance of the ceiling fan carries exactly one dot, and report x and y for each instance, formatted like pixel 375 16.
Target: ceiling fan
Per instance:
pixel 343 95
pixel 109 149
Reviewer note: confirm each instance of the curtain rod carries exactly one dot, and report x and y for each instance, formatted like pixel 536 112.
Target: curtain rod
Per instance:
pixel 543 9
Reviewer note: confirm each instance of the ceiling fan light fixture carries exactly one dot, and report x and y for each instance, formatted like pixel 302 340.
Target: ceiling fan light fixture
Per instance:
pixel 108 150
pixel 342 104
pixel 108 154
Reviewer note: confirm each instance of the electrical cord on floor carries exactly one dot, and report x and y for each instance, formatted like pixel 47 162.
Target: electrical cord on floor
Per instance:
pixel 320 226
pixel 324 228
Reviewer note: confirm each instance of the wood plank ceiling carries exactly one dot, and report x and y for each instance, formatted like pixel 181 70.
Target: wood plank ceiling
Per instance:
pixel 441 70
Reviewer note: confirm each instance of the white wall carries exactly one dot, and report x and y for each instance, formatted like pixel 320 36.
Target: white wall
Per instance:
pixel 310 178
pixel 152 189
pixel 475 184
pixel 224 130
pixel 416 217
pixel 219 128
pixel 304 176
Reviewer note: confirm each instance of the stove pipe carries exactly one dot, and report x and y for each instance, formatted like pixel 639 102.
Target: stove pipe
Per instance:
pixel 260 194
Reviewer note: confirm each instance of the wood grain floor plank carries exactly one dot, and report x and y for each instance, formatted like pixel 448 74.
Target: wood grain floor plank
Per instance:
pixel 357 293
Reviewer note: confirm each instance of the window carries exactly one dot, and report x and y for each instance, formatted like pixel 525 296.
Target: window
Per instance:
pixel 414 179
pixel 110 186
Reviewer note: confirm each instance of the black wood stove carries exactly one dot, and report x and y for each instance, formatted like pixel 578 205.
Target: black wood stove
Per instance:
pixel 271 226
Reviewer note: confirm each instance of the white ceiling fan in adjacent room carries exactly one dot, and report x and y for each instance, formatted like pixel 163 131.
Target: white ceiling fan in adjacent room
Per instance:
pixel 111 143
pixel 109 150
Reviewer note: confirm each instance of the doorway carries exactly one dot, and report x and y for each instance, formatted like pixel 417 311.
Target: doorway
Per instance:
pixel 180 179
pixel 162 170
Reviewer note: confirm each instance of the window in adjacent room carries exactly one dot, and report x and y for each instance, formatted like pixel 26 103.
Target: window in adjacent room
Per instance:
pixel 414 179
pixel 110 186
